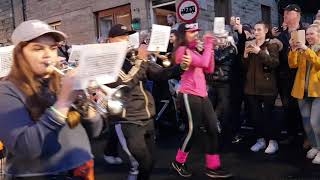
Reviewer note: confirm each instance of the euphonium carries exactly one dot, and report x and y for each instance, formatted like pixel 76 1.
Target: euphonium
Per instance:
pixel 132 54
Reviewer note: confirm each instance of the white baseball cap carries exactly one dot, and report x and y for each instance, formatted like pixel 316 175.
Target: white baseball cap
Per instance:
pixel 29 30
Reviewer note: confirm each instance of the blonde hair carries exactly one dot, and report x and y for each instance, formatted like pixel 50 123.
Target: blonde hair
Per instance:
pixel 316 26
pixel 231 41
pixel 316 22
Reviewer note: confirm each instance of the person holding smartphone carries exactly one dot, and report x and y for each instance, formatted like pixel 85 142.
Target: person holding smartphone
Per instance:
pixel 261 57
pixel 286 75
pixel 306 86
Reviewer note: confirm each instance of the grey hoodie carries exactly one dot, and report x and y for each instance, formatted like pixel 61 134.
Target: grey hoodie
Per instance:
pixel 38 148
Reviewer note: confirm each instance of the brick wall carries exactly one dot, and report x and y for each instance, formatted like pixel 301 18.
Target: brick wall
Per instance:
pixel 77 17
pixel 79 22
pixel 6 21
pixel 250 10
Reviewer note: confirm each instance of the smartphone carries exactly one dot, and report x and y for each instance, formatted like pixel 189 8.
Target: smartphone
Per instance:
pixel 232 20
pixel 237 20
pixel 294 36
pixel 302 36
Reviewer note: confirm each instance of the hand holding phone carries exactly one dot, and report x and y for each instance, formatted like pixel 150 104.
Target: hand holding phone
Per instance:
pixel 238 20
pixel 232 21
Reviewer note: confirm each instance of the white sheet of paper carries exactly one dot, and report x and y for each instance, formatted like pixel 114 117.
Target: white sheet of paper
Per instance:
pixel 159 39
pixel 101 63
pixel 219 25
pixel 134 40
pixel 75 53
pixel 6 60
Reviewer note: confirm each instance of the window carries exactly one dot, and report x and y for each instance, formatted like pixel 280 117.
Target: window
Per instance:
pixel 56 25
pixel 222 8
pixel 160 10
pixel 109 17
pixel 162 2
pixel 266 14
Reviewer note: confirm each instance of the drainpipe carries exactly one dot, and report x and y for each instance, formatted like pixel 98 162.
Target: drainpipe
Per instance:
pixel 13 18
pixel 24 10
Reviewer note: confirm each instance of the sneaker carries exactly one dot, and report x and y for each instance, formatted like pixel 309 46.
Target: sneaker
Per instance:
pixel 181 169
pixel 272 147
pixel 112 159
pixel 236 139
pixel 218 173
pixel 261 144
pixel 316 160
pixel 311 154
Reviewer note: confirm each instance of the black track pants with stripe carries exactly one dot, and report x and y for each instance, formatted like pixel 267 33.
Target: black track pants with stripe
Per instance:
pixel 199 113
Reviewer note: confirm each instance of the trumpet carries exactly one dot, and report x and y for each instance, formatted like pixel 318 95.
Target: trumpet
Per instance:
pixel 101 98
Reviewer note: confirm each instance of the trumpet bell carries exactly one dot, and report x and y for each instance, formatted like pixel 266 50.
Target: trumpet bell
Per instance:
pixel 115 107
pixel 117 98
pixel 73 119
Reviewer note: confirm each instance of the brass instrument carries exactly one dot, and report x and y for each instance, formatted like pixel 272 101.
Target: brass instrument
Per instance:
pixel 164 58
pixel 103 99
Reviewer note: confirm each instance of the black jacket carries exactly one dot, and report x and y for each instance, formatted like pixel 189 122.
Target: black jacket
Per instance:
pixel 283 70
pixel 139 102
pixel 223 65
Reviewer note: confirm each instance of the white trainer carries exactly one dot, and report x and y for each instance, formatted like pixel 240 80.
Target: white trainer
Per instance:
pixel 311 154
pixel 260 144
pixel 316 160
pixel 112 159
pixel 272 147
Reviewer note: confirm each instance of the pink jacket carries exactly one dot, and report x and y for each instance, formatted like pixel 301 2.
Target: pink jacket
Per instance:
pixel 193 80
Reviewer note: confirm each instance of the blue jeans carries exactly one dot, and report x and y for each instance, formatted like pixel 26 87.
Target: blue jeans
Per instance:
pixel 310 112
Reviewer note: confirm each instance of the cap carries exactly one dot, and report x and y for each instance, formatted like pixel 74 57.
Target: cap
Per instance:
pixel 29 30
pixel 119 30
pixel 293 7
pixel 184 27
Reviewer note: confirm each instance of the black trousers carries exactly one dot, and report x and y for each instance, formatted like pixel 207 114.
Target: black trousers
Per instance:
pixel 111 147
pixel 200 112
pixel 219 94
pixel 237 97
pixel 292 115
pixel 260 109
pixel 138 142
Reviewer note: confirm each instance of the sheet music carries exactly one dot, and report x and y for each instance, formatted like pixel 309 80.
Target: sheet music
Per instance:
pixel 134 40
pixel 219 25
pixel 6 60
pixel 75 53
pixel 100 62
pixel 160 36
